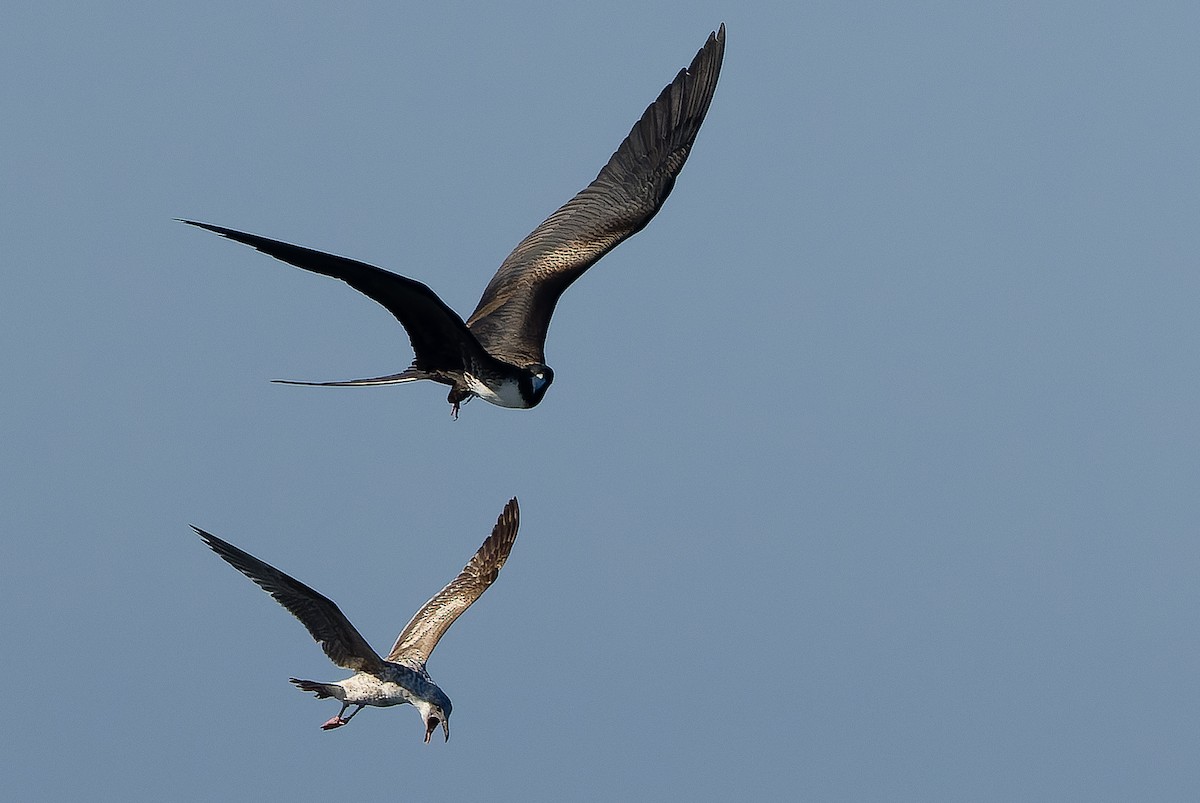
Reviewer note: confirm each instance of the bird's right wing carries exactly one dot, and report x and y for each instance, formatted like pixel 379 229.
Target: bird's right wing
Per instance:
pixel 421 635
pixel 436 332
pixel 344 645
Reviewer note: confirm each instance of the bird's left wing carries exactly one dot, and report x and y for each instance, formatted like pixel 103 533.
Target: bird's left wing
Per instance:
pixel 513 315
pixel 421 634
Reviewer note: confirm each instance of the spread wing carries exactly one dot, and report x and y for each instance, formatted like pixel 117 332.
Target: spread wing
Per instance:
pixel 344 645
pixel 514 312
pixel 421 635
pixel 439 338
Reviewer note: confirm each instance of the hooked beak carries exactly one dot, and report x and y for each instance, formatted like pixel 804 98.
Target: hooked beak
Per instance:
pixel 431 725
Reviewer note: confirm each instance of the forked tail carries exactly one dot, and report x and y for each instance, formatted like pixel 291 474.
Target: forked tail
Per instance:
pixel 407 375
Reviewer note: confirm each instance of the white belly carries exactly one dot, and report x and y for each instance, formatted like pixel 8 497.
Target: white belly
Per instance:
pixel 367 689
pixel 507 395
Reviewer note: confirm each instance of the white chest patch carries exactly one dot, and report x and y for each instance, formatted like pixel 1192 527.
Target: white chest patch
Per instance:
pixel 506 395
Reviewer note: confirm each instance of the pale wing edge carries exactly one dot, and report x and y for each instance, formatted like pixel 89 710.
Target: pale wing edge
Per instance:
pixel 421 635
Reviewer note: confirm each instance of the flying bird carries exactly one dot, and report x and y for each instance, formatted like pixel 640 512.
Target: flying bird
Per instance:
pixel 400 677
pixel 498 352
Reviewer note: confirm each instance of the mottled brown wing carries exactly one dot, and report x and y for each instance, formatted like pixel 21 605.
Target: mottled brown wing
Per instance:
pixel 421 635
pixel 514 312
pixel 344 645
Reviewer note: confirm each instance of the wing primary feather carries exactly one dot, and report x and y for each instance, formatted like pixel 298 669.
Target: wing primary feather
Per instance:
pixel 344 645
pixel 438 336
pixel 426 628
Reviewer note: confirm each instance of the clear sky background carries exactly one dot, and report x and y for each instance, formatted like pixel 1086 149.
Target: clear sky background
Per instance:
pixel 870 469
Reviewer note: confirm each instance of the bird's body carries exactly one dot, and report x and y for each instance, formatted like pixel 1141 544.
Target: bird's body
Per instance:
pixel 382 687
pixel 401 677
pixel 394 684
pixel 498 352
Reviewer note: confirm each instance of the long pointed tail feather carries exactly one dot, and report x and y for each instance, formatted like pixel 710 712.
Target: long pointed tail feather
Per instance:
pixel 407 375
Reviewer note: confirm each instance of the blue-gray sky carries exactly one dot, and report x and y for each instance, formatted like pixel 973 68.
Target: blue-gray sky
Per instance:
pixel 870 469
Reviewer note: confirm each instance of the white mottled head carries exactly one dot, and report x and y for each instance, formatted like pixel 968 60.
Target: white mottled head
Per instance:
pixel 435 713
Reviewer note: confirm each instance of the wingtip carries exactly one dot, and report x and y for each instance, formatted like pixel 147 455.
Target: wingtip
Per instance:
pixel 508 523
pixel 206 226
pixel 511 515
pixel 716 41
pixel 211 541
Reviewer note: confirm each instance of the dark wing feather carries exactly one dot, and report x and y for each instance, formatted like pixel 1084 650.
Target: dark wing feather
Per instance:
pixel 514 312
pixel 344 645
pixel 421 635
pixel 439 338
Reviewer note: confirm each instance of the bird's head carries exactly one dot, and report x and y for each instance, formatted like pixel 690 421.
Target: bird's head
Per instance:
pixel 435 713
pixel 539 377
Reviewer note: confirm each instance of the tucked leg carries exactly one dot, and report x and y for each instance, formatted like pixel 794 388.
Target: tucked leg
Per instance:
pixel 337 721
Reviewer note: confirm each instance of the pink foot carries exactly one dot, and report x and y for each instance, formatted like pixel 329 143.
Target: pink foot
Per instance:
pixel 335 722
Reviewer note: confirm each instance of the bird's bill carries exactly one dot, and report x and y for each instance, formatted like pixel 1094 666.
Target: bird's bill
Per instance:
pixel 431 725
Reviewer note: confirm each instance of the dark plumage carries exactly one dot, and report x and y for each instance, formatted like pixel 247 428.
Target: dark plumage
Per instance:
pixel 498 352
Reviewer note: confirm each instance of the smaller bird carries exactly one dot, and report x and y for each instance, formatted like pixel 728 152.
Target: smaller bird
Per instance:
pixel 401 677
